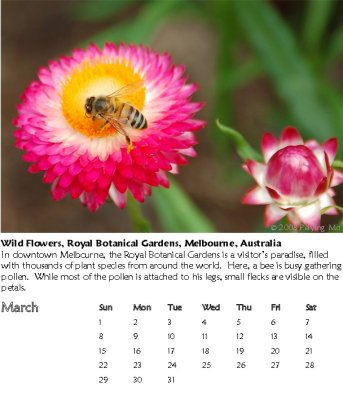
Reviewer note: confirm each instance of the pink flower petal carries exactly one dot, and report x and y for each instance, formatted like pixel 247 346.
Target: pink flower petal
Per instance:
pixel 273 214
pixel 290 137
pixel 331 211
pixel 326 201
pixel 322 159
pixel 94 199
pixel 330 147
pixel 92 167
pixel 257 170
pixel 269 145
pixel 273 193
pixel 257 195
pixel 337 178
pixel 76 189
pixel 331 192
pixel 294 219
pixel 322 187
pixel 118 198
pixel 294 171
pixel 310 215
pixel 312 144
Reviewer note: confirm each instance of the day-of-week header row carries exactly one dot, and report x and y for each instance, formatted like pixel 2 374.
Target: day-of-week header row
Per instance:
pixel 205 307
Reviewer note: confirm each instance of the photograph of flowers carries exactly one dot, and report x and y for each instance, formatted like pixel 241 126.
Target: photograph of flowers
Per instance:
pixel 172 116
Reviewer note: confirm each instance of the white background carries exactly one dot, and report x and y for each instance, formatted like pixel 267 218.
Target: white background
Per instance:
pixel 54 354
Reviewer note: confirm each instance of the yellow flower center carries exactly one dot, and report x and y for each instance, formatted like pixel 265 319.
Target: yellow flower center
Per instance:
pixel 94 79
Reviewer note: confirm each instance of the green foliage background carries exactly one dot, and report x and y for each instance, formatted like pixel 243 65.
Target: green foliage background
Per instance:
pixel 295 54
pixel 260 65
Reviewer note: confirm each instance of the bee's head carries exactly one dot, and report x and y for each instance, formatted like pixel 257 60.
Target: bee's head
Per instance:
pixel 101 104
pixel 89 104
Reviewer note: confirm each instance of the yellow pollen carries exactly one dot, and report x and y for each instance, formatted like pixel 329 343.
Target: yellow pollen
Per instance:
pixel 97 78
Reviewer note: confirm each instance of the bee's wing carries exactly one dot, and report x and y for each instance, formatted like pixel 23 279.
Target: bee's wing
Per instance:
pixel 127 90
pixel 118 124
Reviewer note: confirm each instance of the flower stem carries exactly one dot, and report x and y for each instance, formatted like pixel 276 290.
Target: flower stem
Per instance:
pixel 339 208
pixel 139 222
pixel 328 208
pixel 243 148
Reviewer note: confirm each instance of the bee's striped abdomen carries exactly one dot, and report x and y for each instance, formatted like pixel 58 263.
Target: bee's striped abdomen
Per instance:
pixel 137 119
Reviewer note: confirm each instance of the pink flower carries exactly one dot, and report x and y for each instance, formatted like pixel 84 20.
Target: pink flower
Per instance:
pixel 91 158
pixel 296 179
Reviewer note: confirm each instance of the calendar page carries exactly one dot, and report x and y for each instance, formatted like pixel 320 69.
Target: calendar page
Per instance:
pixel 171 316
pixel 171 200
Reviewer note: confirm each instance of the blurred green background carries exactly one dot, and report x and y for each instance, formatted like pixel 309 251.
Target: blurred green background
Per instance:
pixel 260 65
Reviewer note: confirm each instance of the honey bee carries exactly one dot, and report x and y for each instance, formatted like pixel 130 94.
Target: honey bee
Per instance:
pixel 116 112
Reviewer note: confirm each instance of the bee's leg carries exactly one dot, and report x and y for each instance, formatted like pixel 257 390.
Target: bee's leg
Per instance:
pixel 105 122
pixel 129 144
pixel 117 125
pixel 103 125
pixel 125 121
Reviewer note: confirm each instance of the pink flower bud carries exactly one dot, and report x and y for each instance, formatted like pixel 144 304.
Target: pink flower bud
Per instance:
pixel 294 171
pixel 296 179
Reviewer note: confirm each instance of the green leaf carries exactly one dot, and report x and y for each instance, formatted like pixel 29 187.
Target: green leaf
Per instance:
pixel 243 74
pixel 221 12
pixel 316 20
pixel 334 101
pixel 96 9
pixel 140 29
pixel 177 212
pixel 335 45
pixel 293 79
pixel 243 148
pixel 338 164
